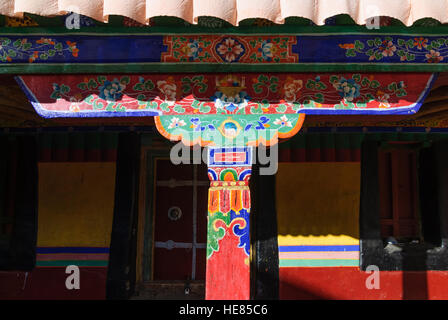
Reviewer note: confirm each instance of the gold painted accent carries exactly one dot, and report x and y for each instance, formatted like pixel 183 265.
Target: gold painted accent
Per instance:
pixel 227 134
pixel 20 22
pixel 230 91
pixel 229 188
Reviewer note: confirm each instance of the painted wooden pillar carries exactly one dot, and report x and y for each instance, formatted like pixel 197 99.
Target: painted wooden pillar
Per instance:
pixel 228 236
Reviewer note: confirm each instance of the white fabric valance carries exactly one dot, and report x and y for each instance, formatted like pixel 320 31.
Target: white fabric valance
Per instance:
pixel 234 11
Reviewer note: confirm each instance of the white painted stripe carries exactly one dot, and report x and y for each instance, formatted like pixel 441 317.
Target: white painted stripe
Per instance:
pixel 320 255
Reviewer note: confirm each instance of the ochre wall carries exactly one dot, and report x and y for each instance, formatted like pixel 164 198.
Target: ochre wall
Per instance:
pixel 318 203
pixel 75 213
pixel 318 237
pixel 76 203
pixel 317 212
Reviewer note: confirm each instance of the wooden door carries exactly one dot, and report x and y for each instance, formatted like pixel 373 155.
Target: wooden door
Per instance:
pixel 180 221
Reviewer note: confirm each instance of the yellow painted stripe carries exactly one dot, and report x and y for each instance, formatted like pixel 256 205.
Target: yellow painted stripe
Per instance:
pixel 289 240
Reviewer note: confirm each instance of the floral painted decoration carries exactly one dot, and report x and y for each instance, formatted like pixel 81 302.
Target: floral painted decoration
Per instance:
pixel 233 94
pixel 41 49
pixel 176 123
pixel 431 51
pixel 230 49
pixel 111 90
pixel 258 94
pixel 169 89
pixel 291 89
pixel 347 89
pixel 283 121
pixel 281 50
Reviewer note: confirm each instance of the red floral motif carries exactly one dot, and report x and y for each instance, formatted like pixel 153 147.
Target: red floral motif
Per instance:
pixel 72 48
pixel 420 43
pixel 33 57
pixel 45 41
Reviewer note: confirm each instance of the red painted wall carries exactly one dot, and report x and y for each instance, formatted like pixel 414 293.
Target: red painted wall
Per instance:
pixel 348 283
pixel 49 283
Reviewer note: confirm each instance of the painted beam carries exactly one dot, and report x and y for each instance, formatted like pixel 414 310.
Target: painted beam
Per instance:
pixel 218 109
pixel 71 52
pixel 115 95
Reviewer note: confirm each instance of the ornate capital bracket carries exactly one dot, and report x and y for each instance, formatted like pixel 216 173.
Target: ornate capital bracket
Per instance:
pixel 230 130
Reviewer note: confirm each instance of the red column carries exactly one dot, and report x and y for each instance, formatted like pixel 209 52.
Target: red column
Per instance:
pixel 228 236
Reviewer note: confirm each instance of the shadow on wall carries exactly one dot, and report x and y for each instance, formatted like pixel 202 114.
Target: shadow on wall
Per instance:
pixel 350 284
pixel 49 284
pixel 415 284
pixel 292 291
